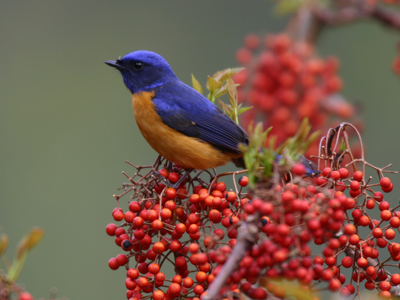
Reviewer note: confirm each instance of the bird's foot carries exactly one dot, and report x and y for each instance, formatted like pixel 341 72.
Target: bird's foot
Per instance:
pixel 160 177
pixel 179 182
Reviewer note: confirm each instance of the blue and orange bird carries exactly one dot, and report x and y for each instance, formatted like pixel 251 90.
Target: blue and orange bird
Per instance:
pixel 177 121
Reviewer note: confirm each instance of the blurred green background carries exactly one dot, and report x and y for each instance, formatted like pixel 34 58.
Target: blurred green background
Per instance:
pixel 66 122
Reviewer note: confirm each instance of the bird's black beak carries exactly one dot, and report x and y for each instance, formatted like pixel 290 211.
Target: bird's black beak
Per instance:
pixel 114 63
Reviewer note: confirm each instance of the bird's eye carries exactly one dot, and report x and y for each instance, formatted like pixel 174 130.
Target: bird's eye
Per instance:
pixel 137 65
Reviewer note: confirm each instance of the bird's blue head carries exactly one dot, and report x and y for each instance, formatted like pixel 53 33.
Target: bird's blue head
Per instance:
pixel 143 70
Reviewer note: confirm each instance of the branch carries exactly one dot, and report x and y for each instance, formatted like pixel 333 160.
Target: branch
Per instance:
pixel 248 232
pixel 387 17
pixel 349 14
pixel 344 16
pixel 394 290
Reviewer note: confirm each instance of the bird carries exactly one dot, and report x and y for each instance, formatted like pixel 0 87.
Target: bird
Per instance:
pixel 177 121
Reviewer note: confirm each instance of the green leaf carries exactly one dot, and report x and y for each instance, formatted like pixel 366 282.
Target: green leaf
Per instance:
pixel 213 84
pixel 226 108
pixel 293 289
pixel 224 75
pixel 244 109
pixel 196 85
pixel 256 156
pixel 233 99
pixel 342 146
pixel 298 144
pixel 30 240
pixel 25 245
pixel 221 91
pixel 232 93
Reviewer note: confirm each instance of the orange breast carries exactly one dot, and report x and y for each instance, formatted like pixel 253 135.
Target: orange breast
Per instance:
pixel 176 147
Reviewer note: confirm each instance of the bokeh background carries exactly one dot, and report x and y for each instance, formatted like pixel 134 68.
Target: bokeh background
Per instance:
pixel 66 122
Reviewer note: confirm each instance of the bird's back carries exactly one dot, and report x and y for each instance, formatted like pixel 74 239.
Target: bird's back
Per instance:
pixel 187 111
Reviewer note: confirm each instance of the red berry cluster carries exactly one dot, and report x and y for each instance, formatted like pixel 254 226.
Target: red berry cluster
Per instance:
pixel 192 231
pixel 285 82
pixel 167 228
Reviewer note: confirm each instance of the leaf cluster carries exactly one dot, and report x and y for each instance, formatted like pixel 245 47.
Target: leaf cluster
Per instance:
pixel 295 146
pixel 260 160
pixel 293 289
pixel 219 84
pixel 26 244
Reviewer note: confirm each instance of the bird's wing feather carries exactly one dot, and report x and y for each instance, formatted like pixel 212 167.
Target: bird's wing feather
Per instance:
pixel 187 111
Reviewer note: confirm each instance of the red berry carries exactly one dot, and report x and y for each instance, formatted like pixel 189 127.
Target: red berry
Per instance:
pixel 158 247
pixel 243 56
pixel 347 261
pixel 344 173
pixel 370 204
pixel 164 173
pixel 221 186
pixel 181 193
pixel 395 222
pixel 243 181
pixel 358 176
pixel 362 262
pixel 252 41
pixel 354 239
pixel 335 175
pixel 377 232
pixel 113 264
pixel 198 290
pixel 321 181
pixel 371 271
pixel 134 206
pixel 299 169
pixel 388 190
pixel 385 182
pixel 215 216
pixel 154 268
pixel 170 193
pixel 132 273
pixel 129 216
pixel 118 215
pixel 174 289
pixel 142 282
pixel 111 228
pixel 326 172
pixel 130 284
pixel 378 196
pixel 390 234
pixel 170 205
pixel 122 259
pixel 158 295
pixel 385 285
pixel 386 215
pixel 173 177
pixel 354 185
pixel 25 296
pixel 395 279
pixel 334 285
pixel 370 285
pixel 384 205
pixel 350 229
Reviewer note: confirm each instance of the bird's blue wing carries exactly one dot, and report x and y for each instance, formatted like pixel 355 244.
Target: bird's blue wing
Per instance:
pixel 187 111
